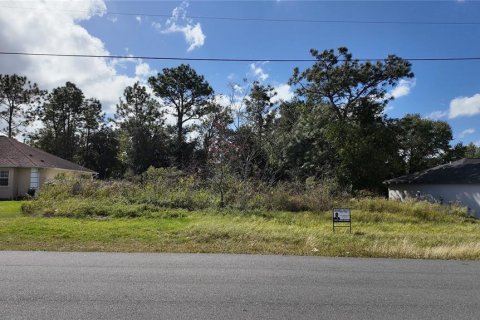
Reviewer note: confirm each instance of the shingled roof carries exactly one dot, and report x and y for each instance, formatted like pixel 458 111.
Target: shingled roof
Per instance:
pixel 459 172
pixel 15 154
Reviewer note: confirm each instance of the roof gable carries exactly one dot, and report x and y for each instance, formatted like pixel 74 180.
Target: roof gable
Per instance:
pixel 464 171
pixel 19 155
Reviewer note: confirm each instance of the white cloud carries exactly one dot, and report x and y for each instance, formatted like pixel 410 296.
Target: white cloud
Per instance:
pixel 157 26
pixel 388 108
pixel 223 100
pixel 403 88
pixel 193 34
pixel 237 88
pixel 284 93
pixel 235 102
pixel 258 72
pixel 465 133
pixel 123 62
pixel 179 23
pixel 437 115
pixel 139 19
pixel 60 32
pixel 464 106
pixel 143 70
pixel 113 19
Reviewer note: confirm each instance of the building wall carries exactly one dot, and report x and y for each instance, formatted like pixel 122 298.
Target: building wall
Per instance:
pixel 22 181
pixel 19 180
pixel 466 194
pixel 6 192
pixel 47 174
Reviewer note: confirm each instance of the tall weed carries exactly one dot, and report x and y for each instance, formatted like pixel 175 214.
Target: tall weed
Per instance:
pixel 154 191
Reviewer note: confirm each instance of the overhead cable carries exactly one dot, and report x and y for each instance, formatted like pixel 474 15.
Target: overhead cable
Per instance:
pixel 127 57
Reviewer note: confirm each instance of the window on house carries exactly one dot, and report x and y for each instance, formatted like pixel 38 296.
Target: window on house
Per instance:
pixel 34 178
pixel 3 178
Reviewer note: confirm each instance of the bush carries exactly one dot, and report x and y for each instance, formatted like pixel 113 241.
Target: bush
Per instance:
pixel 151 193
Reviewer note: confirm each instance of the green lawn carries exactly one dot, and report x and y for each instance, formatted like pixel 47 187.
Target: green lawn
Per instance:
pixel 10 209
pixel 262 232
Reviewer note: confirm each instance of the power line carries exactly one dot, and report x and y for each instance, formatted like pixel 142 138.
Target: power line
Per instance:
pixel 153 57
pixel 252 19
pixel 217 59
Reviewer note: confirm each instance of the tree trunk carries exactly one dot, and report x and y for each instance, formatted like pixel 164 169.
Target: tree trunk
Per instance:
pixel 180 141
pixel 10 122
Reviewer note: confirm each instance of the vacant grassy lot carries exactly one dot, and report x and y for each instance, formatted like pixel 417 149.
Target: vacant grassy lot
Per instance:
pixel 413 234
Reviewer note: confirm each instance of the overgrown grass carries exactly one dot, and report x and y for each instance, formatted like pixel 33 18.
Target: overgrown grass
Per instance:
pixel 168 211
pixel 151 194
pixel 408 230
pixel 157 189
pixel 383 210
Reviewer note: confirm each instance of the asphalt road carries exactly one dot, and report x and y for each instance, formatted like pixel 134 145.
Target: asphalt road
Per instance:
pixel 46 285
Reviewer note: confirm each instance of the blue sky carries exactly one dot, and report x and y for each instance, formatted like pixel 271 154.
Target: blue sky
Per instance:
pixel 448 91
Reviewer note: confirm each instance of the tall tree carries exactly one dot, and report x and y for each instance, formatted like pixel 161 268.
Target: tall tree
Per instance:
pixel 62 117
pixel 457 152
pixel 141 119
pixel 102 155
pixel 17 99
pixel 92 120
pixel 186 95
pixel 423 142
pixel 299 149
pixel 69 123
pixel 342 83
pixel 346 99
pixel 365 152
pixel 220 148
pixel 259 107
pixel 472 151
pixel 254 137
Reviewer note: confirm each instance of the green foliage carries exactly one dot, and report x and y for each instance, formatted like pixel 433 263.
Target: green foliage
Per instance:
pixel 82 208
pixel 141 120
pixel 472 151
pixel 344 131
pixel 344 84
pixel 156 191
pixel 186 94
pixel 259 108
pixel 62 117
pixel 101 153
pixel 253 153
pixel 163 188
pixel 423 142
pixel 74 129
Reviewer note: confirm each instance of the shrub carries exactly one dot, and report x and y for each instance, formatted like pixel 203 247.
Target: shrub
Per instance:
pixel 151 193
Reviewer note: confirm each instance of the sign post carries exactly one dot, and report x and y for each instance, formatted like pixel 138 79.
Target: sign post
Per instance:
pixel 342 217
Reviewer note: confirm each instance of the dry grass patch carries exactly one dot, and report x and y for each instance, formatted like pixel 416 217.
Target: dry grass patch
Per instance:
pixel 375 234
pixel 408 249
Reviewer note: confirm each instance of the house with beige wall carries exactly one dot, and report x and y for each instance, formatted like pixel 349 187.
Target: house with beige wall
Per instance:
pixel 24 168
pixel 455 182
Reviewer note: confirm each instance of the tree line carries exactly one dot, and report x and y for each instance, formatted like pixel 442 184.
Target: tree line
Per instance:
pixel 335 127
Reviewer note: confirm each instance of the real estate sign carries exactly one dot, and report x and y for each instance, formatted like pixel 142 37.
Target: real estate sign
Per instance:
pixel 340 216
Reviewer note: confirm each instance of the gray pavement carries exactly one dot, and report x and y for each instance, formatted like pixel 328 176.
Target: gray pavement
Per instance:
pixel 47 285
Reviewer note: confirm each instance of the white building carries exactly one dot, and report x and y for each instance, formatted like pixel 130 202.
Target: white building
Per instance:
pixel 458 181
